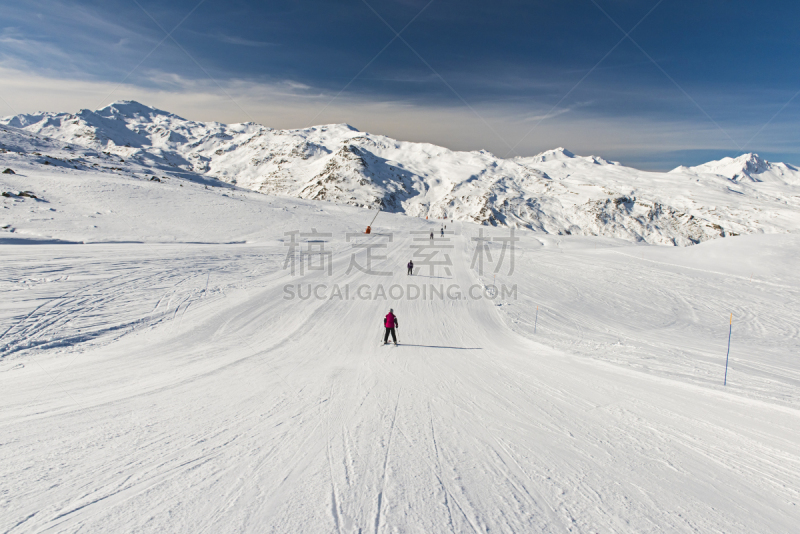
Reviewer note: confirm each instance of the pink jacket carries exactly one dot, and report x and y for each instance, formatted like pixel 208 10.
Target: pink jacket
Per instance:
pixel 390 321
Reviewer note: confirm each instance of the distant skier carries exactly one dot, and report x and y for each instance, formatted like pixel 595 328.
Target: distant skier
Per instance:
pixel 390 322
pixel 442 231
pixel 410 267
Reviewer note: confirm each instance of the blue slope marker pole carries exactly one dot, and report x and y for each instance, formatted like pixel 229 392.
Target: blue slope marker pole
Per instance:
pixel 537 319
pixel 730 330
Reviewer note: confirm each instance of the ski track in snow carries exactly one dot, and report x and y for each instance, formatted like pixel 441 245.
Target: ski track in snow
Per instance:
pixel 170 387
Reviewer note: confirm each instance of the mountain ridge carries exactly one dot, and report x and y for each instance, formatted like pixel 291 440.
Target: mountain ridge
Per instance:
pixel 556 191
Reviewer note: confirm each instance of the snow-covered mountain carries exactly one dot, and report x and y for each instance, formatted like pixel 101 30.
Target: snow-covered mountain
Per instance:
pixel 747 167
pixel 555 192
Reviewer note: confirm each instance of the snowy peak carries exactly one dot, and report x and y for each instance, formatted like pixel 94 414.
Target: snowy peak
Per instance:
pixel 343 126
pixel 561 157
pixel 130 109
pixel 559 154
pixel 752 164
pixel 121 110
pixel 747 167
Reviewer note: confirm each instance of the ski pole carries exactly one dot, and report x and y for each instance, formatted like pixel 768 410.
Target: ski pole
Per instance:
pixel 730 331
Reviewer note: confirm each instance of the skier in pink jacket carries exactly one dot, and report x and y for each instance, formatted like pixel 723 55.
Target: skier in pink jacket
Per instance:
pixel 390 322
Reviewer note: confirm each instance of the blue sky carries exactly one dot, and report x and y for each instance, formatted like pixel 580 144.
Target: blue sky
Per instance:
pixel 695 80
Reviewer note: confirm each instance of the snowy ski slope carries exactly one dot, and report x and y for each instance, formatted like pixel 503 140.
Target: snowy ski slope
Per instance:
pixel 158 376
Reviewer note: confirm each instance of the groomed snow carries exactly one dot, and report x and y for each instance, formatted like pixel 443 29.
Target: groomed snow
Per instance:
pixel 156 378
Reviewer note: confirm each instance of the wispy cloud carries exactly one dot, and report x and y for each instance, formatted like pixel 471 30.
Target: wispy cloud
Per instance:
pixel 241 41
pixel 555 113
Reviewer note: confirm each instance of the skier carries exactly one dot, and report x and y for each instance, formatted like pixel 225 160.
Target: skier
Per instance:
pixel 410 266
pixel 390 322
